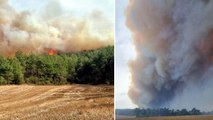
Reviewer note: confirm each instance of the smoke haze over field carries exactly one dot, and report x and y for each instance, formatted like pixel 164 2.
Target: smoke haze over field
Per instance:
pixel 51 28
pixel 174 44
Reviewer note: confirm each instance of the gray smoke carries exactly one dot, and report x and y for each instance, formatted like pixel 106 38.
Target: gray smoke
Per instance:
pixel 174 44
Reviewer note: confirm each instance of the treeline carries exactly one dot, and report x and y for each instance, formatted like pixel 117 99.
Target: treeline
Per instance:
pixel 157 112
pixel 88 67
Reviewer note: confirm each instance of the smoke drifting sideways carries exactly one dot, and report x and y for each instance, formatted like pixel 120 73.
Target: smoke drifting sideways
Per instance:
pixel 51 28
pixel 174 44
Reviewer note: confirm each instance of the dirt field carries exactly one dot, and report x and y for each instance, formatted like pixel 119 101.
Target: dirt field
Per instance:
pixel 70 102
pixel 204 117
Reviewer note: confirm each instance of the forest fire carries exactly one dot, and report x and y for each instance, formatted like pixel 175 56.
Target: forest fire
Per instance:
pixel 52 52
pixel 26 30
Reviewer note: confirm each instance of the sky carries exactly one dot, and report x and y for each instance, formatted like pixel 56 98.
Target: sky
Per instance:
pixel 76 7
pixel 124 53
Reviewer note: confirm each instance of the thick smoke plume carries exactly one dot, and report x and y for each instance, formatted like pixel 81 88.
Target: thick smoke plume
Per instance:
pixel 174 45
pixel 51 28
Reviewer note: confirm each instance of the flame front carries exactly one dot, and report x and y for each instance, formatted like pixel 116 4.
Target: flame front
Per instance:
pixel 52 52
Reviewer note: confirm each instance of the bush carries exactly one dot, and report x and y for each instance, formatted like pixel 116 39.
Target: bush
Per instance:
pixel 2 81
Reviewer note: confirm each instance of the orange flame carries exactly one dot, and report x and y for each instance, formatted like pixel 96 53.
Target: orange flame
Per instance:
pixel 52 52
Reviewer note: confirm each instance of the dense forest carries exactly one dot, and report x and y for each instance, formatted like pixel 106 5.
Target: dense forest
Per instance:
pixel 87 67
pixel 148 112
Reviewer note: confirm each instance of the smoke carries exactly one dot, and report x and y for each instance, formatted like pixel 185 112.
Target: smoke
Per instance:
pixel 51 28
pixel 174 44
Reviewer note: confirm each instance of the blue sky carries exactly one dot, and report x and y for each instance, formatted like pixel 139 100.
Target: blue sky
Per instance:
pixel 124 53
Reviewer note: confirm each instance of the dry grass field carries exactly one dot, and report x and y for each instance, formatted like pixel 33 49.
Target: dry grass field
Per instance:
pixel 201 117
pixel 68 102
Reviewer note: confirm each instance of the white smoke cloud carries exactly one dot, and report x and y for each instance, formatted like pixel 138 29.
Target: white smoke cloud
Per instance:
pixel 52 27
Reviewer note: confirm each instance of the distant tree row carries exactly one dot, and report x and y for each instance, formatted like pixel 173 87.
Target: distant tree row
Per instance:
pixel 88 67
pixel 157 112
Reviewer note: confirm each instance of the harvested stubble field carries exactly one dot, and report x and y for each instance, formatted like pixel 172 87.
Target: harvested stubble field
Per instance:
pixel 200 117
pixel 68 102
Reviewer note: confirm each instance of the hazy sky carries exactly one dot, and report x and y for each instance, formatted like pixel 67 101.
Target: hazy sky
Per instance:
pixel 124 53
pixel 76 7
